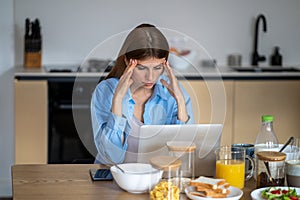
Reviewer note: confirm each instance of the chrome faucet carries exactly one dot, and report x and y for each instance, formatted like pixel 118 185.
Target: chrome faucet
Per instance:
pixel 255 56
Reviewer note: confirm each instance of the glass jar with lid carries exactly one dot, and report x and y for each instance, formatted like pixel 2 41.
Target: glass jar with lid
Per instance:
pixel 171 168
pixel 270 168
pixel 185 151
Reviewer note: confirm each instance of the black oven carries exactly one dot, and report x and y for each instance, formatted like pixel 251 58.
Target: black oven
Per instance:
pixel 70 136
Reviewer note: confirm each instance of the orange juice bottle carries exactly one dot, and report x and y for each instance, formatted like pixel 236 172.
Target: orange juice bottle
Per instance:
pixel 233 171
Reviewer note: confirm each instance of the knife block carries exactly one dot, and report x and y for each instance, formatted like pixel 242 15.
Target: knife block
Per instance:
pixel 33 53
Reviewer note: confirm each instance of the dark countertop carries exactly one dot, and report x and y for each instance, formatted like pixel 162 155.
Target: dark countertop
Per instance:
pixel 200 73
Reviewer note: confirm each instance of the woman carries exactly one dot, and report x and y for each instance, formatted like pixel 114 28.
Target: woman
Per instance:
pixel 134 93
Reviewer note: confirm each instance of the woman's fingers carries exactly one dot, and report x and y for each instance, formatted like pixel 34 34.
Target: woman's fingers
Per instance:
pixel 125 80
pixel 131 65
pixel 173 86
pixel 129 69
pixel 168 68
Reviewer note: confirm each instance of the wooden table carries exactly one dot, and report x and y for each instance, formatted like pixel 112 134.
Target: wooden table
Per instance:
pixel 73 182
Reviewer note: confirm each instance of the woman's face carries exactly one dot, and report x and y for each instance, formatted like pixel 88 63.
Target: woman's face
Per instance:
pixel 147 72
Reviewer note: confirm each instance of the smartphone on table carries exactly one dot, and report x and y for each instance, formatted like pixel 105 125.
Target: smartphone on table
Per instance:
pixel 101 174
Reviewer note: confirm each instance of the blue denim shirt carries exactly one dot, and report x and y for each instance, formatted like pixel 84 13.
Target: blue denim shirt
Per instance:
pixel 109 128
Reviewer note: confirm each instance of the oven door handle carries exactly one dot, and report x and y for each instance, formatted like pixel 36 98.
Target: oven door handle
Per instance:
pixel 73 106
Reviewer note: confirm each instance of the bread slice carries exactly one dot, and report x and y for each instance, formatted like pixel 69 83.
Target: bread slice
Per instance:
pixel 208 182
pixel 208 194
pixel 210 187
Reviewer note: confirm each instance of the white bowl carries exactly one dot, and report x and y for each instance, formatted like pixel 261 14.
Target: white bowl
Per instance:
pixel 292 152
pixel 292 170
pixel 138 177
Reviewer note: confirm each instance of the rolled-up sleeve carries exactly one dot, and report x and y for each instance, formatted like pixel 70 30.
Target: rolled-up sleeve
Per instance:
pixel 108 128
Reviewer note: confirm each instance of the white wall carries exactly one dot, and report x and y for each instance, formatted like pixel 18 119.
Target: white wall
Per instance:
pixel 6 95
pixel 71 28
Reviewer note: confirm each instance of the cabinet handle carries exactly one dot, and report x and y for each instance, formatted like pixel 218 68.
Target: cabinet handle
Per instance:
pixel 74 106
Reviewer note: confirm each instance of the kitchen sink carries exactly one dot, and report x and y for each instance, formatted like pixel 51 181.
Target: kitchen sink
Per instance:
pixel 266 69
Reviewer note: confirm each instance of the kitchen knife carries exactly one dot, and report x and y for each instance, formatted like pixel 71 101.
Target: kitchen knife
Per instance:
pixel 27 24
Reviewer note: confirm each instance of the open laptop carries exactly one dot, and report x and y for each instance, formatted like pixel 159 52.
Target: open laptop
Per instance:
pixel 206 137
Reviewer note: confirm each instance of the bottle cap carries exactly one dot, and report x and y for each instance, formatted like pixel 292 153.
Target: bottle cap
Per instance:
pixel 267 118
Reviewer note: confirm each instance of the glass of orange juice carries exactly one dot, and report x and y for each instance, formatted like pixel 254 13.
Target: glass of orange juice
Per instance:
pixel 230 165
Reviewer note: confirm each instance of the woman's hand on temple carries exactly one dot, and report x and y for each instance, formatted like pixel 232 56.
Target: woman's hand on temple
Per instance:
pixel 175 91
pixel 173 86
pixel 125 80
pixel 122 88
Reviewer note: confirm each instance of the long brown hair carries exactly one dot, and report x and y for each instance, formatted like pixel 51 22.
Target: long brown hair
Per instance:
pixel 144 41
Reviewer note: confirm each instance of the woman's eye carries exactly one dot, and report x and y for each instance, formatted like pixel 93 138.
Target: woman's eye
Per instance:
pixel 159 67
pixel 141 67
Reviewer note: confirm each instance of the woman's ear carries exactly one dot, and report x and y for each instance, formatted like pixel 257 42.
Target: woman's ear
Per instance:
pixel 126 61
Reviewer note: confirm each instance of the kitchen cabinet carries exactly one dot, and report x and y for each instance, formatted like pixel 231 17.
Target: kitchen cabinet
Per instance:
pixel 245 102
pixel 252 99
pixel 30 122
pixel 237 104
pixel 213 103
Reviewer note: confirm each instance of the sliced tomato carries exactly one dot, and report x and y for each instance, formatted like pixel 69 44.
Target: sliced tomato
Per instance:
pixel 275 191
pixel 293 198
pixel 285 191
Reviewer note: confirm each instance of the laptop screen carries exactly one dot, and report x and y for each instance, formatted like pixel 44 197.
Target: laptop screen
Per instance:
pixel 206 137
